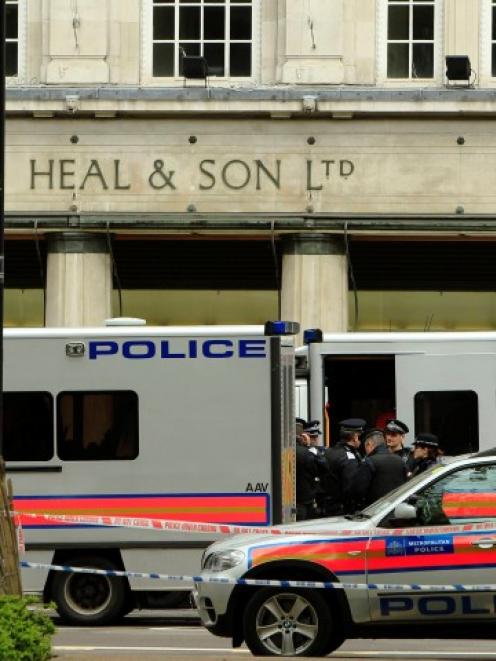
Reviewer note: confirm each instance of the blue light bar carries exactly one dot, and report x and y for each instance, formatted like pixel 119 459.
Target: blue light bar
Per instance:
pixel 312 335
pixel 281 328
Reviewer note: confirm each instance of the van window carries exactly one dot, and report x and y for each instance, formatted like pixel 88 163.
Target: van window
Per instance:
pixel 97 426
pixel 27 426
pixel 452 415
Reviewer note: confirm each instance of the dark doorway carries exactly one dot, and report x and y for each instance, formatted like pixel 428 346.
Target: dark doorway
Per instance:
pixel 359 387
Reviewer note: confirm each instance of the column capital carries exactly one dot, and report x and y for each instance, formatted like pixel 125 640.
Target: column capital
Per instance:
pixel 313 244
pixel 76 242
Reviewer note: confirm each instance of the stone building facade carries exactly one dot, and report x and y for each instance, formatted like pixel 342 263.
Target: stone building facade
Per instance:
pixel 326 170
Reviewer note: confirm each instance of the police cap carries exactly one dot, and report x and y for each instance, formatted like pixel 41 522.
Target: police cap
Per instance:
pixel 312 428
pixel 426 440
pixel 301 421
pixel 353 424
pixel 396 427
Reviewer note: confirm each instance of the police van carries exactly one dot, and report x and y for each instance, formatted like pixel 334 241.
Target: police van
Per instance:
pixel 438 382
pixel 132 421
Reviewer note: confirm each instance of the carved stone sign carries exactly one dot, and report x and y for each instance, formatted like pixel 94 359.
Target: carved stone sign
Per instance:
pixel 234 174
pixel 249 166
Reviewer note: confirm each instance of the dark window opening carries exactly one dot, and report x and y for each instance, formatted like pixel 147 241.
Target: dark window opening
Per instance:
pixel 97 426
pixel 359 387
pixel 27 426
pixel 493 39
pixel 452 415
pixel 11 38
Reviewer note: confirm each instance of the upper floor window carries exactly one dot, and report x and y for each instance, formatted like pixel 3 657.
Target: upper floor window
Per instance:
pixel 12 38
pixel 220 30
pixel 493 39
pixel 410 38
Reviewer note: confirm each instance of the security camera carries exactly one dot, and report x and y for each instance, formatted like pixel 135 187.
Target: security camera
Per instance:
pixel 309 104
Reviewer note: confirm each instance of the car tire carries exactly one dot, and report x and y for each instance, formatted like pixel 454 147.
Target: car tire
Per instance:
pixel 289 622
pixel 89 599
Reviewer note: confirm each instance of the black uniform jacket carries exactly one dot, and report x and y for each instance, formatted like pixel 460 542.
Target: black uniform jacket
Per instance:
pixel 382 472
pixel 404 453
pixel 307 476
pixel 341 485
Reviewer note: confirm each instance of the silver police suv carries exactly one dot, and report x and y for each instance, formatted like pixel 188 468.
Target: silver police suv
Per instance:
pixel 425 553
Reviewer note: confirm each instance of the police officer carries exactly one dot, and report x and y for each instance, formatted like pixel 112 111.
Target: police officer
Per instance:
pixel 425 453
pixel 307 477
pixel 394 432
pixel 312 428
pixel 343 492
pixel 381 471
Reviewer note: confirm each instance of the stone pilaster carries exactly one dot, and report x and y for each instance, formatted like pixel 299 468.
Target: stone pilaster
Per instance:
pixel 315 282
pixel 79 280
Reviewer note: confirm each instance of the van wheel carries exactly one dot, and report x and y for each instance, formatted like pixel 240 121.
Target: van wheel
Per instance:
pixel 89 599
pixel 292 622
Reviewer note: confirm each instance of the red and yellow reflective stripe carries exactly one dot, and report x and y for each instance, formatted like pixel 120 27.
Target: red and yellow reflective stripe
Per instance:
pixel 468 505
pixel 337 556
pixel 217 508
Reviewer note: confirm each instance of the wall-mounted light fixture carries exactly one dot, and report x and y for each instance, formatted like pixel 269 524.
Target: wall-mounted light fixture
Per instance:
pixel 458 68
pixel 195 67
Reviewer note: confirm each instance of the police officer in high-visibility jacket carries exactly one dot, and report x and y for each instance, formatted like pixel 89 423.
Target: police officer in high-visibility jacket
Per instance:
pixel 343 491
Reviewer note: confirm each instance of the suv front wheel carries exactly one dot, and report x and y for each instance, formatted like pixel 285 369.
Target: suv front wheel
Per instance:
pixel 289 622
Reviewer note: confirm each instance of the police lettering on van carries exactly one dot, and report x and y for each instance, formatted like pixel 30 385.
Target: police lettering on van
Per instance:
pixel 166 349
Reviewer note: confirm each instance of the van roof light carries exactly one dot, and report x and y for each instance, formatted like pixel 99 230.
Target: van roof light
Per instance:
pixel 125 321
pixel 282 327
pixel 311 335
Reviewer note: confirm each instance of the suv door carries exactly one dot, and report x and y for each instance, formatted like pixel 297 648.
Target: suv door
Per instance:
pixel 452 541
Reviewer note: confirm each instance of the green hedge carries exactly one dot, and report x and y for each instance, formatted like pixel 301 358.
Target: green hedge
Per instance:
pixel 25 633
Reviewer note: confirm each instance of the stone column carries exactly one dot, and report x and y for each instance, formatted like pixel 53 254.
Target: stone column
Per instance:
pixel 315 282
pixel 79 280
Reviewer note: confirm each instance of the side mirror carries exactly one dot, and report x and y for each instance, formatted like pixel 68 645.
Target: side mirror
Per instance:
pixel 405 511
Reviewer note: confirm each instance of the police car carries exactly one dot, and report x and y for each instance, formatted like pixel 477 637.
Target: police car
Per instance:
pixel 425 553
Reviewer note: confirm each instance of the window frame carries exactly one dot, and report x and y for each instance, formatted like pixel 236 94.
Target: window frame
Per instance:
pixel 382 46
pixel 146 74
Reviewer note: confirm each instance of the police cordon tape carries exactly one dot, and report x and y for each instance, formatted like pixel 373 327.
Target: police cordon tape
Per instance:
pixel 260 582
pixel 172 525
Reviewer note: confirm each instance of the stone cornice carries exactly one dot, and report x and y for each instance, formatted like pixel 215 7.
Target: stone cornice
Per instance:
pixel 278 102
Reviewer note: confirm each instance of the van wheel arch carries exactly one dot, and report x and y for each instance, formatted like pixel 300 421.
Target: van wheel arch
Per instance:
pixel 115 597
